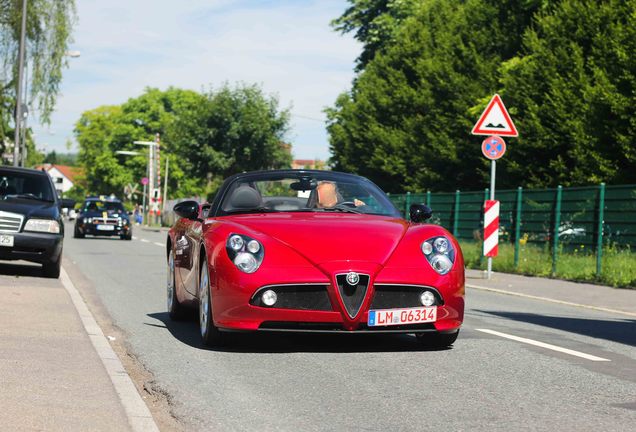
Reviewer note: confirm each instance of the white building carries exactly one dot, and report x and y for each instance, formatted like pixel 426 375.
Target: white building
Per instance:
pixel 63 176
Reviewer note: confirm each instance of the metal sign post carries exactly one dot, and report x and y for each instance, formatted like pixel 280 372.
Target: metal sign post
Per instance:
pixel 494 121
pixel 493 170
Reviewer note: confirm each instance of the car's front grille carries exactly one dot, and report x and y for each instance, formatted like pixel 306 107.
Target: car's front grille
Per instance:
pixel 392 296
pixel 352 292
pixel 105 221
pixel 10 222
pixel 297 296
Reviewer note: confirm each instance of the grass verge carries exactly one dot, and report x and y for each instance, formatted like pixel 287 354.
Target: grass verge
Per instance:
pixel 618 267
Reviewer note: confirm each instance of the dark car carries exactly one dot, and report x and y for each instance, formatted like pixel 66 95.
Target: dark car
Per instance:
pixel 31 225
pixel 103 216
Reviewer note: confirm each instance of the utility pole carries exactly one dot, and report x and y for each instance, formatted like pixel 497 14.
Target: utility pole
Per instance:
pixel 165 184
pixel 18 102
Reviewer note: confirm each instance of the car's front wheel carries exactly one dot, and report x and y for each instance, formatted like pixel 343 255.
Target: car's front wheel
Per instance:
pixel 52 269
pixel 210 334
pixel 437 340
pixel 77 233
pixel 176 310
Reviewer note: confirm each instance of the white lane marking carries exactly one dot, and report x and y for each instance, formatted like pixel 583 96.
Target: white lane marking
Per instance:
pixel 483 288
pixel 158 244
pixel 135 238
pixel 145 241
pixel 136 410
pixel 544 345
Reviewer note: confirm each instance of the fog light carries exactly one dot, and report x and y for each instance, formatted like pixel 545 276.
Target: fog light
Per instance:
pixel 269 297
pixel 427 298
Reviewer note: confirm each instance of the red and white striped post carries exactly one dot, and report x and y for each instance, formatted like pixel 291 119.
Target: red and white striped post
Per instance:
pixel 491 231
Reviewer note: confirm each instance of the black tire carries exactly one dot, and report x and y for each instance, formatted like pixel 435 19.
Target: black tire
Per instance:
pixel 211 336
pixel 77 234
pixel 52 269
pixel 176 310
pixel 437 340
pixel 126 236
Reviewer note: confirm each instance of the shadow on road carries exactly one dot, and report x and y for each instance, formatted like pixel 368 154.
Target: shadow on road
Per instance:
pixel 187 331
pixel 31 270
pixel 620 330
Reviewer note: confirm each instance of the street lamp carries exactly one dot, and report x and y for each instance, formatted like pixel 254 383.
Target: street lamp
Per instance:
pixel 134 153
pixel 18 99
pixel 153 152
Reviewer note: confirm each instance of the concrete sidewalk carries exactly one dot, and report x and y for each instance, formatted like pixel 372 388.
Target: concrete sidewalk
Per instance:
pixel 598 297
pixel 51 376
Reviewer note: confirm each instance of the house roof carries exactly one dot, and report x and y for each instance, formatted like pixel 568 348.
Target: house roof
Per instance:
pixel 67 171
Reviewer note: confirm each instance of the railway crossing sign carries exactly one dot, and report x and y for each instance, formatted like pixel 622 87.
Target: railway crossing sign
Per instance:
pixel 495 120
pixel 493 147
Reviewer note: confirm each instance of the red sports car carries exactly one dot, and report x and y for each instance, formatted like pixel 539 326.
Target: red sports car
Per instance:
pixel 313 251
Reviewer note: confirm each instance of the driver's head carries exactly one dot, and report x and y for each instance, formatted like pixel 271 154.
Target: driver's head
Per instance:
pixel 327 194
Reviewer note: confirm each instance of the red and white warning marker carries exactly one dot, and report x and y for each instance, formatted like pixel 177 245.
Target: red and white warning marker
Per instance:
pixel 491 228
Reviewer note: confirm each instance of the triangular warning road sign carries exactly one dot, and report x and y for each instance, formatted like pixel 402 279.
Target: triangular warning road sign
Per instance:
pixel 495 120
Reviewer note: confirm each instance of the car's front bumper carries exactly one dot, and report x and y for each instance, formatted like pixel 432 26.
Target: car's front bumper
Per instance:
pixel 35 247
pixel 91 229
pixel 234 308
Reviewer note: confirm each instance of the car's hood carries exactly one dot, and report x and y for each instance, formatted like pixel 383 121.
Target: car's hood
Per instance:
pixel 30 208
pixel 329 237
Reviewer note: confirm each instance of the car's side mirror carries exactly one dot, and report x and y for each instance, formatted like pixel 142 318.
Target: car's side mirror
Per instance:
pixel 187 209
pixel 420 212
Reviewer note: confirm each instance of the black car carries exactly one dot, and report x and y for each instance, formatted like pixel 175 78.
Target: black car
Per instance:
pixel 31 226
pixel 103 216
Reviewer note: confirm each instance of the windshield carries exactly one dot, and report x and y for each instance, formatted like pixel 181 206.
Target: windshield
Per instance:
pixel 102 206
pixel 305 192
pixel 25 185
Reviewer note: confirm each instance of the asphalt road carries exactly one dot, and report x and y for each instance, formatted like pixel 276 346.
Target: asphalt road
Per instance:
pixel 362 382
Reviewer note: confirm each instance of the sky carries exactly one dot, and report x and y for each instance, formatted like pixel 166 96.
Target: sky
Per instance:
pixel 286 46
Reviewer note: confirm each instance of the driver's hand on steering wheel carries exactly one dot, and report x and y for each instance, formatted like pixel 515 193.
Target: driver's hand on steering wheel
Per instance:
pixel 358 203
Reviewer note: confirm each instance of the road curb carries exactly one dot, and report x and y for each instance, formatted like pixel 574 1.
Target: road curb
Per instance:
pixel 499 291
pixel 136 410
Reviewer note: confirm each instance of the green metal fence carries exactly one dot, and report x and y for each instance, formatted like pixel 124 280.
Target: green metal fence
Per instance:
pixel 560 218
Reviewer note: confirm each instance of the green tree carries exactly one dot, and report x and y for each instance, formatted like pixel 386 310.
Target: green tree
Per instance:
pixel 205 136
pixel 406 123
pixel 574 93
pixel 236 129
pixel 48 33
pixel 103 131
pixel 374 23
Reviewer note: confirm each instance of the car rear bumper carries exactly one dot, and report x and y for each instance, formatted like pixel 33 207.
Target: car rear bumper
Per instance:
pixel 35 247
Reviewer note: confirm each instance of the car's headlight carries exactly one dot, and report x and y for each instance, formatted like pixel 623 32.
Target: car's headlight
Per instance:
pixel 245 252
pixel 439 253
pixel 42 225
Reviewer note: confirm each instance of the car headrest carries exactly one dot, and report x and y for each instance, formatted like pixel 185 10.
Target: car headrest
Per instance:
pixel 245 197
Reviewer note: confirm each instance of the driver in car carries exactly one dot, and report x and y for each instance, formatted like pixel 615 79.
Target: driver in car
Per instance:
pixel 328 196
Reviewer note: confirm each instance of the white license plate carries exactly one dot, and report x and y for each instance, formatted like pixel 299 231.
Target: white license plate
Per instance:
pixel 388 317
pixel 6 240
pixel 105 228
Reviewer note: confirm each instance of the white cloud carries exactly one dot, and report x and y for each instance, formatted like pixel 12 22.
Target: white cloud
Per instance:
pixel 286 46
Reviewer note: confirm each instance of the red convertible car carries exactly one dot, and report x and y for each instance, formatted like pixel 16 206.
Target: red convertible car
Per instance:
pixel 313 251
